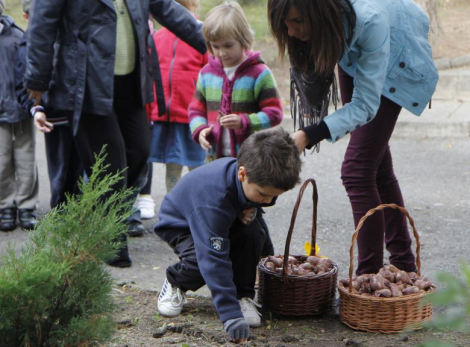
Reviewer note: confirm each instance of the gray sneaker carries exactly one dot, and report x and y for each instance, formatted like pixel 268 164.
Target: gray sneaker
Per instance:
pixel 250 312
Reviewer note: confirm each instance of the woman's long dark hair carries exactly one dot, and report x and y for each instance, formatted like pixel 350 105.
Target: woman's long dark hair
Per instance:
pixel 324 19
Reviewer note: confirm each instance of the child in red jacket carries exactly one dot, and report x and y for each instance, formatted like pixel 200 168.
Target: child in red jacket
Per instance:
pixel 172 143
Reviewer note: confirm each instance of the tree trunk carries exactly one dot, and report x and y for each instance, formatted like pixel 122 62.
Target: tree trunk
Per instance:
pixel 435 29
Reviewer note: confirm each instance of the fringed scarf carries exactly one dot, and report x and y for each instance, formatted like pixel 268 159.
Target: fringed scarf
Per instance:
pixel 310 96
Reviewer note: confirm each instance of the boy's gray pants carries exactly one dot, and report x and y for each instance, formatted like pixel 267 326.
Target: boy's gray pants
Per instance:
pixel 18 170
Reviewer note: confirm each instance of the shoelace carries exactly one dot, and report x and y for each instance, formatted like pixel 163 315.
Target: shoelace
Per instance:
pixel 178 298
pixel 247 303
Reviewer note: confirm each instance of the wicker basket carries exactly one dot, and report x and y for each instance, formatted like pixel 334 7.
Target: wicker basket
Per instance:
pixel 378 314
pixel 291 295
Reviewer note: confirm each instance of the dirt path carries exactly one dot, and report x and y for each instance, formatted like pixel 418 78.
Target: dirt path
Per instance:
pixel 140 325
pixel 455 23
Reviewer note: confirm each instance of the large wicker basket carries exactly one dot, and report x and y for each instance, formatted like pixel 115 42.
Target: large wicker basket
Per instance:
pixel 291 295
pixel 378 314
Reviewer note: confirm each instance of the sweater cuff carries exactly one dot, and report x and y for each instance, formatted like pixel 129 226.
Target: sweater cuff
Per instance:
pixel 33 84
pixel 197 132
pixel 316 133
pixel 35 109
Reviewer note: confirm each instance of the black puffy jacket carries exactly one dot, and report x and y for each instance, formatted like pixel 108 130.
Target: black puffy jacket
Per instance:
pixel 72 46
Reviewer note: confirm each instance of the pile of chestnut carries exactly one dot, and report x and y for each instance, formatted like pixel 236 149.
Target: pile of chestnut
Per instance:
pixel 389 282
pixel 301 266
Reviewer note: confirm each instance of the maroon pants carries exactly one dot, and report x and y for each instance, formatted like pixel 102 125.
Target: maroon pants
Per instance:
pixel 367 174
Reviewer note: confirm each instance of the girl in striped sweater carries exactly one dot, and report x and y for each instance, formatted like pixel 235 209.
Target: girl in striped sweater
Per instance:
pixel 236 92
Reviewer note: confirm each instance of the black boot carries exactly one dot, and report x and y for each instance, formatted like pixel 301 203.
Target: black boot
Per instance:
pixel 135 229
pixel 122 258
pixel 28 218
pixel 8 219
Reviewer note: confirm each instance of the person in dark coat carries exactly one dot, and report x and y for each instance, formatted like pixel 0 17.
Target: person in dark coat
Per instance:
pixel 63 163
pixel 18 172
pixel 93 59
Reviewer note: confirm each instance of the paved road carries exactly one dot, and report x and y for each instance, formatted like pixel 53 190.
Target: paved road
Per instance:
pixel 431 157
pixel 434 174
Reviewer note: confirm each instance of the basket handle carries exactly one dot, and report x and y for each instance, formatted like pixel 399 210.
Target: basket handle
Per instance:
pixel 359 226
pixel 292 222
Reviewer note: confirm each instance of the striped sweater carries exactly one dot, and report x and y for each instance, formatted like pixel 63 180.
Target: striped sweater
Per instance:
pixel 252 94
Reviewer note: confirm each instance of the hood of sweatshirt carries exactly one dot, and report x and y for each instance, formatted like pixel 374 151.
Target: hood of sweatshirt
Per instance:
pixel 253 58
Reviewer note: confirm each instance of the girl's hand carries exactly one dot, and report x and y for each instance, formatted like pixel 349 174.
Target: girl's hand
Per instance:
pixel 41 122
pixel 231 121
pixel 203 135
pixel 300 139
pixel 246 216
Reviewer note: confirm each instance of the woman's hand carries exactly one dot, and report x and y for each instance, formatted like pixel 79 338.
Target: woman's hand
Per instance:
pixel 203 135
pixel 35 95
pixel 41 122
pixel 230 121
pixel 300 139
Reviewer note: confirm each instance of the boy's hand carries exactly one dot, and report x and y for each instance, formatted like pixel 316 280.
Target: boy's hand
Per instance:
pixel 247 216
pixel 230 121
pixel 41 122
pixel 205 144
pixel 237 330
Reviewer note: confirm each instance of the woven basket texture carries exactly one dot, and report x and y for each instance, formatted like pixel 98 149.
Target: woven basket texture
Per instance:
pixel 291 295
pixel 383 315
pixel 299 296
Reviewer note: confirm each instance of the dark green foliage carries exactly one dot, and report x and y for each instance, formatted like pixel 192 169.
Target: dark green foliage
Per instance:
pixel 56 292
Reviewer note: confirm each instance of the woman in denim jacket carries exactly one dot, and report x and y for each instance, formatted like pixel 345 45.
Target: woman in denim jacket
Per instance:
pixel 384 63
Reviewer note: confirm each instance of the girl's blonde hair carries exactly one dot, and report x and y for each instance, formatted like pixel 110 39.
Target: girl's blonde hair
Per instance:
pixel 227 21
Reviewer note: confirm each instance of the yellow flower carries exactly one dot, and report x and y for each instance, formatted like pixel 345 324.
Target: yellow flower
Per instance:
pixel 308 248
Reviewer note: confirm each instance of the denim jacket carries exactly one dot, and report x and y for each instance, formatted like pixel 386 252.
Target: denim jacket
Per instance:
pixel 388 55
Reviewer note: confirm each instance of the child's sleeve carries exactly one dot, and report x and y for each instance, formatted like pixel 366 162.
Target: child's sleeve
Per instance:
pixel 197 110
pixel 43 27
pixel 210 227
pixel 22 94
pixel 269 101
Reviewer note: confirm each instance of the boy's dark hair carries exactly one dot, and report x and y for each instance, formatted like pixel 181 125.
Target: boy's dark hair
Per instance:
pixel 271 158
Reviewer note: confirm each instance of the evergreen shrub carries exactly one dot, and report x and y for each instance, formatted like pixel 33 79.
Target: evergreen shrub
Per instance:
pixel 56 291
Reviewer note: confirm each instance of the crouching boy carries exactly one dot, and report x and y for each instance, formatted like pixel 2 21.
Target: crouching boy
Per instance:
pixel 218 244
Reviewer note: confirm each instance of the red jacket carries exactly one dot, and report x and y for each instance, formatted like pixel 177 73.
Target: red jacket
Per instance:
pixel 179 65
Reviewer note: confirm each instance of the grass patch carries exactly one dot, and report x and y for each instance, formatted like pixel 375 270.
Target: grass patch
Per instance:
pixel 255 11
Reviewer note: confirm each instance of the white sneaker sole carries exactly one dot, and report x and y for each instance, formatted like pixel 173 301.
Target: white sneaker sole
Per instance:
pixel 147 214
pixel 168 311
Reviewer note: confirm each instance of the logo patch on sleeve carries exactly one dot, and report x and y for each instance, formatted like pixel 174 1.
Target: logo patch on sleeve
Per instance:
pixel 217 243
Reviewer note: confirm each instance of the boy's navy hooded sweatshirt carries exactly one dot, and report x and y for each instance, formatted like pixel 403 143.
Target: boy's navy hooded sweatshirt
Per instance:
pixel 206 201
